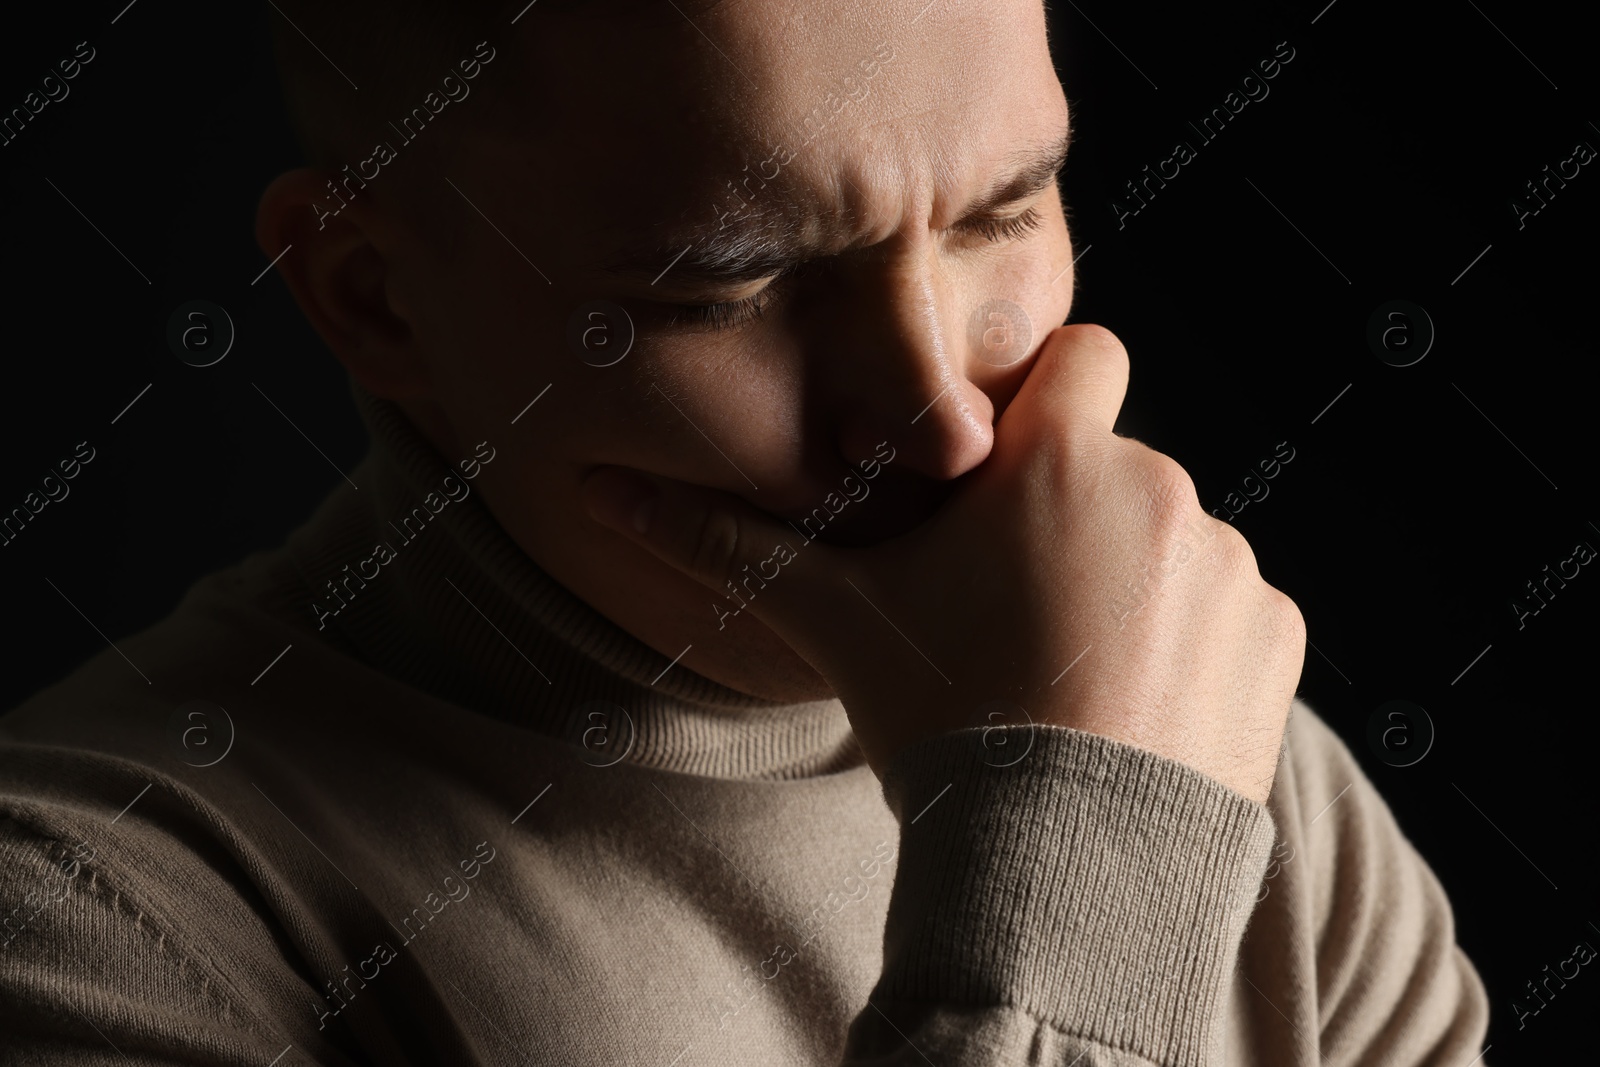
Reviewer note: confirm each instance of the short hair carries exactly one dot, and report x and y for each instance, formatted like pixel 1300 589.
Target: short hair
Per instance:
pixel 349 68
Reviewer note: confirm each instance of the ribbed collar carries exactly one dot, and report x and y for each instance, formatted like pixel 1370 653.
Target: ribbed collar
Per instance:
pixel 462 613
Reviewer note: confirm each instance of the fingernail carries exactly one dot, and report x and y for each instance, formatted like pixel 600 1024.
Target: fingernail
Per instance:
pixel 621 500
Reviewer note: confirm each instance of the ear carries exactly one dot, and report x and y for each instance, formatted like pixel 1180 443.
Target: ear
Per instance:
pixel 341 280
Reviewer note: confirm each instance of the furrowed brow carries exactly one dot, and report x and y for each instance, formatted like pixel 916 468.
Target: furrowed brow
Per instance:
pixel 740 254
pixel 1032 171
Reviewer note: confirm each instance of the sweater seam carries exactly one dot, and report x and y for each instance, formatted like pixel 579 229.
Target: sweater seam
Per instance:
pixel 124 902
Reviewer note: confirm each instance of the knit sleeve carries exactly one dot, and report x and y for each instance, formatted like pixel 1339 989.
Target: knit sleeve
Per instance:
pixel 91 975
pixel 1082 905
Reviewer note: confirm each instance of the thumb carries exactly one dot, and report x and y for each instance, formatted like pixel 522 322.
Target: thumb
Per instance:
pixel 737 550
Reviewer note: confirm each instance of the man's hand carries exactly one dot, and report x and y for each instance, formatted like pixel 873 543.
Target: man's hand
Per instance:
pixel 1067 540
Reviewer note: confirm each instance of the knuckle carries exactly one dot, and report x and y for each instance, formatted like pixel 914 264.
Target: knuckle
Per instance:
pixel 715 547
pixel 1177 528
pixel 1172 492
pixel 1229 557
pixel 1287 617
pixel 1235 554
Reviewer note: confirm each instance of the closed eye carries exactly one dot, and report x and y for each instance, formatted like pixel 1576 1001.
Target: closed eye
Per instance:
pixel 728 314
pixel 722 316
pixel 1010 228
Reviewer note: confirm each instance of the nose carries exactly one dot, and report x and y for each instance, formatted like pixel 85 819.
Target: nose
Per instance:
pixel 897 366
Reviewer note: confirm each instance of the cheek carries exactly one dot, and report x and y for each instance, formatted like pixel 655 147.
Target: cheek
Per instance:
pixel 1039 278
pixel 493 339
pixel 718 405
pixel 1052 276
pixel 1063 280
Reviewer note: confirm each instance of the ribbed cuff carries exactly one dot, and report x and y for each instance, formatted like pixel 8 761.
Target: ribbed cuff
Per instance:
pixel 1099 887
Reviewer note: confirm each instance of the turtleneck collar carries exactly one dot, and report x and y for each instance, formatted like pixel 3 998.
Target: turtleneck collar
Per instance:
pixel 459 611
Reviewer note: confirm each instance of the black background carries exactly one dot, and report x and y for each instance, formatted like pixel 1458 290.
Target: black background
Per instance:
pixel 1415 509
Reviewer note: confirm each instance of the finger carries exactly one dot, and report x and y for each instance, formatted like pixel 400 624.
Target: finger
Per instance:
pixel 719 540
pixel 1084 369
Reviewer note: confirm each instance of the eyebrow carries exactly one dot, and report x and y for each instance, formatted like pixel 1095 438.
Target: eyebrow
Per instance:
pixel 1032 172
pixel 738 254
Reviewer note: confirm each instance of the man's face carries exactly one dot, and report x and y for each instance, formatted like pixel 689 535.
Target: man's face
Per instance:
pixel 843 169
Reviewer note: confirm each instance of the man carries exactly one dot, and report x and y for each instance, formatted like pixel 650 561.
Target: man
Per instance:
pixel 746 642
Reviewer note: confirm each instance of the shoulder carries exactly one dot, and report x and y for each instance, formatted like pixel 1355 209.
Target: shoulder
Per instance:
pixel 1391 984
pixel 1361 867
pixel 1321 783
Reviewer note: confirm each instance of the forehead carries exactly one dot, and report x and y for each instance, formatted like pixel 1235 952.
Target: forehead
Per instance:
pixel 842 113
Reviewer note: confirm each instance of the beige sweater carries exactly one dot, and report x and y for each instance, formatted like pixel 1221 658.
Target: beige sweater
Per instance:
pixel 471 821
